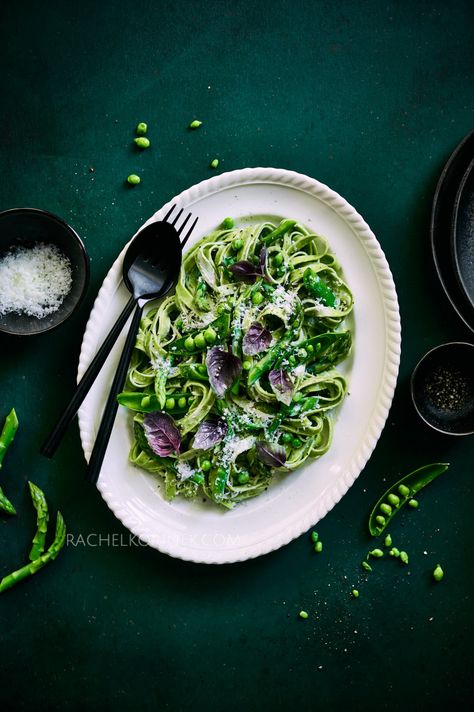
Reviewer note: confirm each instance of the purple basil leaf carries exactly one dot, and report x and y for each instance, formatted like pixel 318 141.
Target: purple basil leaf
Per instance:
pixel 162 434
pixel 271 454
pixel 282 385
pixel 256 340
pixel 222 368
pixel 209 433
pixel 244 271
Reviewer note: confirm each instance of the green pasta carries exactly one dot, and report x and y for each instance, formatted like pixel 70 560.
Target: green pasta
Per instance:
pixel 233 381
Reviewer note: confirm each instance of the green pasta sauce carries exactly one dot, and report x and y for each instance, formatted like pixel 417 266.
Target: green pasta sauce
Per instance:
pixel 232 382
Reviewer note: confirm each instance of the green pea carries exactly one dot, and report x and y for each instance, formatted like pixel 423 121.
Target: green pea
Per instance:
pixel 303 614
pixel 393 499
pixel 286 438
pixel 243 477
pixel 142 142
pixel 170 403
pixel 247 365
pixel 404 557
pixel 302 354
pixel 376 553
pixel 386 509
pixel 296 443
pixel 314 536
pixel 278 259
pixel 413 503
pixel 227 223
pixel 365 565
pixel 145 401
pixel 394 552
pixel 214 163
pixel 141 129
pixel 133 179
pixel 380 520
pixel 388 540
pixel 438 573
pixel 297 397
pixel 201 368
pixel 318 547
pixel 190 400
pixel 221 472
pixel 237 244
pixel 355 593
pixel 310 348
pixel 205 465
pixel 199 341
pixel 210 335
pixel 292 361
pixel 182 402
pixel 195 124
pixel 257 298
pixel 404 490
pixel 189 344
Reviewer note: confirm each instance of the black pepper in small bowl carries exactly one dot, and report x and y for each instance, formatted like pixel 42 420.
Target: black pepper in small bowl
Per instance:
pixel 442 388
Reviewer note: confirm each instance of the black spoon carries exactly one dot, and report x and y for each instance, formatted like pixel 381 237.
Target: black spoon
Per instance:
pixel 158 237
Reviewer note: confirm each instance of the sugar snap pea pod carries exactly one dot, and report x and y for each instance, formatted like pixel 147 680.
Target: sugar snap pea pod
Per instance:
pixel 194 371
pixel 283 227
pixel 221 326
pixel 6 438
pixel 318 288
pixel 42 518
pixel 399 493
pixel 149 403
pixel 328 349
pixel 37 564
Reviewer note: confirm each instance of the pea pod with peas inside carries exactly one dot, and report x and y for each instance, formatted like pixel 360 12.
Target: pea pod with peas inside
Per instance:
pixel 198 339
pixel 400 493
pixel 175 403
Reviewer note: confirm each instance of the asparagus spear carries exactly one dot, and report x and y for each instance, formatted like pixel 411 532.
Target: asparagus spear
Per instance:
pixel 6 438
pixel 42 518
pixel 37 564
pixel 8 433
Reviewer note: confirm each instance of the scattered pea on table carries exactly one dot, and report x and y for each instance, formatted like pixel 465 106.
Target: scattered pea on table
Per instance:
pixel 141 129
pixel 142 142
pixel 133 179
pixel 438 573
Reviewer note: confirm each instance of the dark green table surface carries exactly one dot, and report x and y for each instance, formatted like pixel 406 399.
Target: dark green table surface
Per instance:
pixel 368 97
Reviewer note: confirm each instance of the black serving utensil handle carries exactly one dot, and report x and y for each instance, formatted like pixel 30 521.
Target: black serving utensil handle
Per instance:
pixel 53 440
pixel 108 417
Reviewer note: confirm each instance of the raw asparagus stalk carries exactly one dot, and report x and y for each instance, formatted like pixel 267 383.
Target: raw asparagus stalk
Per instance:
pixel 37 564
pixel 42 518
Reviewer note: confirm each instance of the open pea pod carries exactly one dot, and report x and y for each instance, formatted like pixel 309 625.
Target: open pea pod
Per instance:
pixel 221 326
pixel 149 403
pixel 328 349
pixel 400 492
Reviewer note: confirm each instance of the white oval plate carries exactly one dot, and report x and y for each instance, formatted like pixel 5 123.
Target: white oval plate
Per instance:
pixel 200 531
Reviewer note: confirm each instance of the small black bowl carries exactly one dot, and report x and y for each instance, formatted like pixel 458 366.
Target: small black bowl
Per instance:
pixel 25 227
pixel 442 388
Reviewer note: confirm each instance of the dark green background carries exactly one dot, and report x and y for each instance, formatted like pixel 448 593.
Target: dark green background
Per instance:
pixel 368 97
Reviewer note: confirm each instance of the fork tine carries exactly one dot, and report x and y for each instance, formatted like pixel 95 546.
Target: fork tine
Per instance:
pixel 169 213
pixel 180 229
pixel 177 217
pixel 186 237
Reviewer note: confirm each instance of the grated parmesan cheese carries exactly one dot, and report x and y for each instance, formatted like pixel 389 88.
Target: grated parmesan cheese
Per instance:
pixel 34 281
pixel 184 470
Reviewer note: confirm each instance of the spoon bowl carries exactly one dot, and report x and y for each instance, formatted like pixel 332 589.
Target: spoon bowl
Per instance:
pixel 152 262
